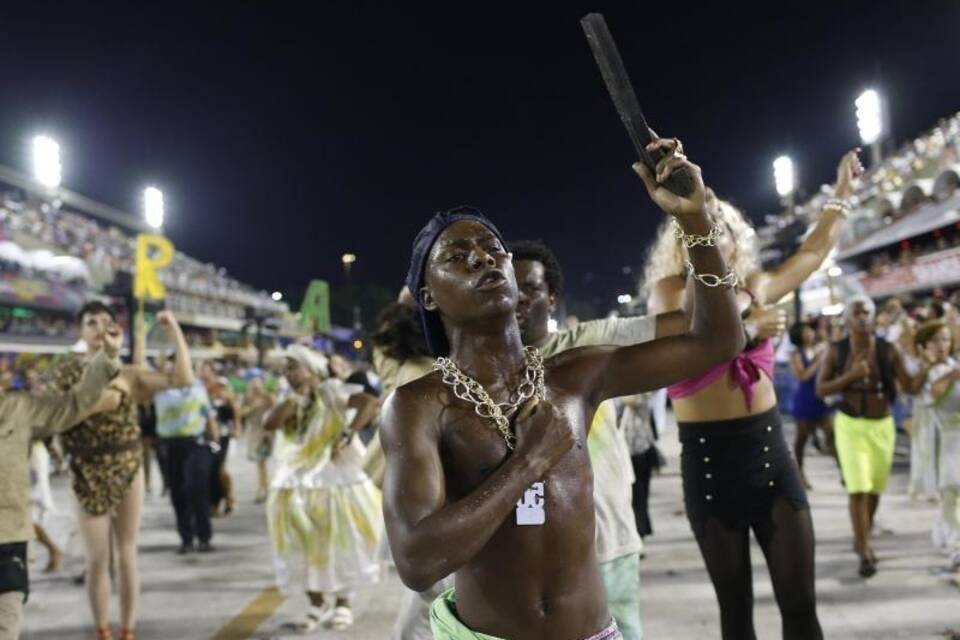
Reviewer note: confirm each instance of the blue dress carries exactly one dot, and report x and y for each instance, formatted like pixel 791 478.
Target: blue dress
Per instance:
pixel 806 404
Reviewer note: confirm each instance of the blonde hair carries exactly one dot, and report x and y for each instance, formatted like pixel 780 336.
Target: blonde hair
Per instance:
pixel 668 258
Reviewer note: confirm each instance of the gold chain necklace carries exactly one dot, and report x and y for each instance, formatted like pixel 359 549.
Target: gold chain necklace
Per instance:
pixel 469 390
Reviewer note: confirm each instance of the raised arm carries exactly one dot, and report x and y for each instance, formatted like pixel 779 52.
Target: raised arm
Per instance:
pixel 431 537
pixel 715 332
pixel 773 285
pixel 149 382
pixel 139 358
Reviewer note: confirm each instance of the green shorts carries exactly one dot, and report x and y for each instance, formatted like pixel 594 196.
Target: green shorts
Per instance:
pixel 865 450
pixel 447 626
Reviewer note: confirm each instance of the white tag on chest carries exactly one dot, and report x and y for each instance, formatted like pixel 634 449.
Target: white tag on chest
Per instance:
pixel 530 508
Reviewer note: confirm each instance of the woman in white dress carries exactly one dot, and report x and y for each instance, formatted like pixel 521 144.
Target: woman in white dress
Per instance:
pixel 940 400
pixel 324 512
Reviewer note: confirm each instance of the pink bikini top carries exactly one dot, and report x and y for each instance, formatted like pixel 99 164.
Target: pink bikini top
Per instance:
pixel 744 369
pixel 744 372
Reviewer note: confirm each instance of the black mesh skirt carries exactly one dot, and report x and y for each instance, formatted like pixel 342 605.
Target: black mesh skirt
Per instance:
pixel 735 470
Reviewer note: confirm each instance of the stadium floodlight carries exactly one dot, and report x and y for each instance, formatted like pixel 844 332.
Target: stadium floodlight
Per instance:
pixel 46 161
pixel 783 176
pixel 277 296
pixel 869 116
pixel 625 298
pixel 153 207
pixel 349 258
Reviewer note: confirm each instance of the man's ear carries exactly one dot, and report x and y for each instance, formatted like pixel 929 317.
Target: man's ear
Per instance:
pixel 426 300
pixel 553 303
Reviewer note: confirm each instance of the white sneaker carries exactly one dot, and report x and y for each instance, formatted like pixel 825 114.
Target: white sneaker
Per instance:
pixel 341 619
pixel 313 619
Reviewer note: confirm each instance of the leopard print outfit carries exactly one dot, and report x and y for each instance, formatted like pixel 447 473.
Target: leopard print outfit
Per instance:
pixel 105 451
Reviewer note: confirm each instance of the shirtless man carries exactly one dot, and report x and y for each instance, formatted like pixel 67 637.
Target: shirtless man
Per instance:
pixel 865 369
pixel 454 479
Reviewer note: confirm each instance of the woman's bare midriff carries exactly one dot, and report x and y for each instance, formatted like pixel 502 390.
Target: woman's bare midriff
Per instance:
pixel 722 400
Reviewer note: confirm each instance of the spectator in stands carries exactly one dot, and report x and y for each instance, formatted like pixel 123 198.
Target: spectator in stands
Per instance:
pixel 109 250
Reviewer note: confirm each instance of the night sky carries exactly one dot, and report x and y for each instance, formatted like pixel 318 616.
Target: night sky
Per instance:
pixel 284 137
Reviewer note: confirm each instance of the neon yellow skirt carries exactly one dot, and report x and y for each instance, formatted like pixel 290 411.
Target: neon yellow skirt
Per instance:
pixel 865 449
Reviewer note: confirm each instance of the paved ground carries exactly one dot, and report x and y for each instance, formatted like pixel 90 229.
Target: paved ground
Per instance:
pixel 227 595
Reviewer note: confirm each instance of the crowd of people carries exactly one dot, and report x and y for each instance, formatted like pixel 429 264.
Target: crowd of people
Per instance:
pixel 107 250
pixel 18 324
pixel 906 252
pixel 37 324
pixel 502 469
pixel 879 198
pixel 912 346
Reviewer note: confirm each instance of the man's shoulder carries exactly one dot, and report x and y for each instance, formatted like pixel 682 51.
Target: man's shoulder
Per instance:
pixel 427 382
pixel 413 407
pixel 419 395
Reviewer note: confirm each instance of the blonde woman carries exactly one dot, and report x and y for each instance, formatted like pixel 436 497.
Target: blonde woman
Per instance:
pixel 738 472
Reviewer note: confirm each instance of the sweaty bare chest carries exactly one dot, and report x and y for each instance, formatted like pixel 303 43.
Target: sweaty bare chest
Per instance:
pixel 473 449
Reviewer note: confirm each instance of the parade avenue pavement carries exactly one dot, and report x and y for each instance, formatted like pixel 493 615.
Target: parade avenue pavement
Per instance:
pixel 229 594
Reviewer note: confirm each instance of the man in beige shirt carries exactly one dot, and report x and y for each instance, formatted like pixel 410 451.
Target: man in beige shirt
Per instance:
pixel 22 418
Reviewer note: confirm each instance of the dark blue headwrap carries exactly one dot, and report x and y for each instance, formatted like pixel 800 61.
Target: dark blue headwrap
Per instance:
pixel 422 244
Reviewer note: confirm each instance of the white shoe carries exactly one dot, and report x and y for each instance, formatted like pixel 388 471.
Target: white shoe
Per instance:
pixel 341 619
pixel 313 619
